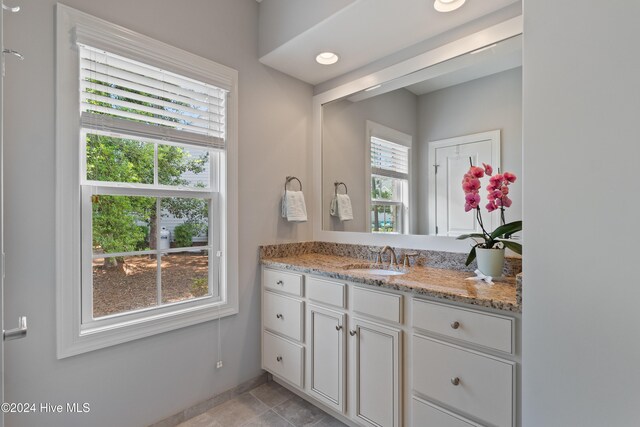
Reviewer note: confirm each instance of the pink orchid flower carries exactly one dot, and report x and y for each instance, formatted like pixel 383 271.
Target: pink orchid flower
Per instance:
pixel 491 206
pixel 471 186
pixel 487 169
pixel 472 200
pixel 476 171
pixel 511 178
pixel 496 180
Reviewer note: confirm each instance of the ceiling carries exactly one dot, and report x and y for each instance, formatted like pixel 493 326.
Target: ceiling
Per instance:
pixel 493 59
pixel 367 30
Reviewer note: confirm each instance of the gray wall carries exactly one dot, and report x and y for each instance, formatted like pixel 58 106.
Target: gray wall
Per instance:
pixel 344 148
pixel 143 381
pixel 581 317
pixel 492 102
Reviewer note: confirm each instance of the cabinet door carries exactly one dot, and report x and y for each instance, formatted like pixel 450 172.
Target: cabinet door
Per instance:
pixel 376 381
pixel 327 354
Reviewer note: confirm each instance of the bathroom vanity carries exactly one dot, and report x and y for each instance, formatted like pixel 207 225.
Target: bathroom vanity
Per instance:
pixel 422 348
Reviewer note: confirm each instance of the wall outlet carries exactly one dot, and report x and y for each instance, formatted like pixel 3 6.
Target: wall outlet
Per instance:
pixel 219 364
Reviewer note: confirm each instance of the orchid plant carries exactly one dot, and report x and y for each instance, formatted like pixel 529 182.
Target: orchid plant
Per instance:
pixel 498 198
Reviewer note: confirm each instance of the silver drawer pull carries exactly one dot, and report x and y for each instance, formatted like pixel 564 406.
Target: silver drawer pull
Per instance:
pixel 17 333
pixel 280 282
pixel 352 333
pixel 13 9
pixel 279 316
pixel 279 358
pixel 338 327
pixel 455 381
pixel 455 325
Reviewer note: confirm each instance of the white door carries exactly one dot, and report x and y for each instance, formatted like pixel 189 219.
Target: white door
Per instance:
pixel 451 160
pixel 327 353
pixel 375 380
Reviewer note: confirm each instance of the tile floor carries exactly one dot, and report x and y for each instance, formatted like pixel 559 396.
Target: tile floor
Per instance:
pixel 268 405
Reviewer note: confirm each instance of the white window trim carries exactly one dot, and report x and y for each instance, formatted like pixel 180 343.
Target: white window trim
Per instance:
pixel 377 130
pixel 72 339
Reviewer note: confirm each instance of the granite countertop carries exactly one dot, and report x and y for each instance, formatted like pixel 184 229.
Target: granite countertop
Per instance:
pixel 504 294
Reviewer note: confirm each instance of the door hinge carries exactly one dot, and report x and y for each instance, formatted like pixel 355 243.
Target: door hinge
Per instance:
pixel 436 168
pixel 436 229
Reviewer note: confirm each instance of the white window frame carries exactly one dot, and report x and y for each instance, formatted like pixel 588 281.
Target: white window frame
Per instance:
pixel 74 337
pixel 377 130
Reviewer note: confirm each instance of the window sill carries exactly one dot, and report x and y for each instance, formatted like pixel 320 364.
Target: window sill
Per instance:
pixel 97 337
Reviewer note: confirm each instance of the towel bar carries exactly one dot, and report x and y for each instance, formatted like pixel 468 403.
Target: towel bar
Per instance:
pixel 338 184
pixel 289 179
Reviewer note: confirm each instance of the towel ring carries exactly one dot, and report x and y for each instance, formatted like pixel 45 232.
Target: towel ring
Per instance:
pixel 338 184
pixel 289 179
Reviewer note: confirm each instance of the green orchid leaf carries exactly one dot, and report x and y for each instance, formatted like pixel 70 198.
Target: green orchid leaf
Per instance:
pixel 472 235
pixel 507 229
pixel 471 257
pixel 515 247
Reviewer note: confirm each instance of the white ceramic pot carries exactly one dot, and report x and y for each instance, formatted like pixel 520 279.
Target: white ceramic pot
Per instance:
pixel 490 261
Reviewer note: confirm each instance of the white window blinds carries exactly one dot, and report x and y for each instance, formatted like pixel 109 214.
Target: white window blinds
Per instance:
pixel 389 159
pixel 127 96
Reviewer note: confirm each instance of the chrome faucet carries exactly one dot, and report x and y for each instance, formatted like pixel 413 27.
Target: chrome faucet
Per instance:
pixel 393 261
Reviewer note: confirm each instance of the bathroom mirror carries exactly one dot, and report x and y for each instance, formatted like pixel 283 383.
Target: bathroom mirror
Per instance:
pixel 399 149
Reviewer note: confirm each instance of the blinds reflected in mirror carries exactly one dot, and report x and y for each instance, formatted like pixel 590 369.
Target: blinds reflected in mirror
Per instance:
pixel 389 159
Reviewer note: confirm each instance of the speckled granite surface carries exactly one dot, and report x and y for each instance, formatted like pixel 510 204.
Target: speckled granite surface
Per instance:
pixel 436 259
pixel 443 283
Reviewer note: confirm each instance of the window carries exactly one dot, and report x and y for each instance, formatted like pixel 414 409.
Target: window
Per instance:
pixel 388 176
pixel 144 241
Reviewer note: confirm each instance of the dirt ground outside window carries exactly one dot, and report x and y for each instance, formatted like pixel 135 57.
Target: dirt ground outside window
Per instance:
pixel 133 284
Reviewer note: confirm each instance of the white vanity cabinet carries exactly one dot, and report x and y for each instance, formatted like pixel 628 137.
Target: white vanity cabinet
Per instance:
pixel 376 373
pixel 282 326
pixel 384 358
pixel 464 361
pixel 327 364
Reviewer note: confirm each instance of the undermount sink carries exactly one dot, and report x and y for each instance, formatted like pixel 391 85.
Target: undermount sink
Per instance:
pixel 376 271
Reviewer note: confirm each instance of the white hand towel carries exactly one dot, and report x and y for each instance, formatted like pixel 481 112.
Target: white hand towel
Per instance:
pixel 333 209
pixel 345 212
pixel 294 207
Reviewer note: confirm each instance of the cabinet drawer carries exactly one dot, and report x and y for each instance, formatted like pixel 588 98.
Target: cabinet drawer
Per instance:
pixel 289 283
pixel 381 305
pixel 283 315
pixel 483 329
pixel 427 414
pixel 283 358
pixel 326 292
pixel 485 387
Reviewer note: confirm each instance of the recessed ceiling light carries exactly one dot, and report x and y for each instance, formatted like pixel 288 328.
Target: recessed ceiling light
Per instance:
pixel 327 58
pixel 447 5
pixel 372 88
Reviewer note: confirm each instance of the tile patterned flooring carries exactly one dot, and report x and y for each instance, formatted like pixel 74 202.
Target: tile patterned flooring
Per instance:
pixel 269 405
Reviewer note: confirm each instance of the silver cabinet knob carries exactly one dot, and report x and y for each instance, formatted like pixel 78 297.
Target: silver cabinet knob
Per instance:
pixel 279 316
pixel 352 333
pixel 338 327
pixel 280 282
pixel 279 358
pixel 455 381
pixel 455 325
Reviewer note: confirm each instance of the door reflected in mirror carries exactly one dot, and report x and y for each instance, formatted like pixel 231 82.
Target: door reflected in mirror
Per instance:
pixel 403 148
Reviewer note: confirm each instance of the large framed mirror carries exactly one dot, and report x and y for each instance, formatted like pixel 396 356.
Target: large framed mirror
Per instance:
pixel 398 142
